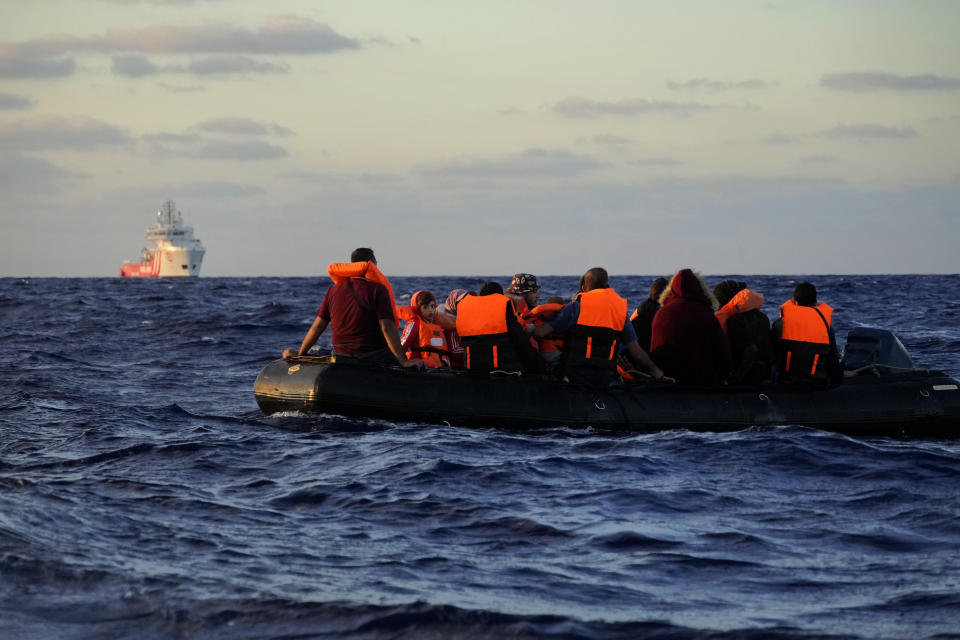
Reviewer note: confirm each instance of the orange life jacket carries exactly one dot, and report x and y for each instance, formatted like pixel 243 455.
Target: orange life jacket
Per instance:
pixel 743 300
pixel 431 344
pixel 804 339
pixel 431 341
pixel 541 315
pixel 482 325
pixel 343 271
pixel 593 341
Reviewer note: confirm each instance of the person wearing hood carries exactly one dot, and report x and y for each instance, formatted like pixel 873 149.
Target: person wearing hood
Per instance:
pixel 748 329
pixel 686 338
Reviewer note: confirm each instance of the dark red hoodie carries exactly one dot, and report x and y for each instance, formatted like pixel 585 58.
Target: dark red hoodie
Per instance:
pixel 686 340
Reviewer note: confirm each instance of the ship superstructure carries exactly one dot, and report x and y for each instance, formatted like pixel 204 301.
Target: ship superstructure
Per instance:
pixel 176 253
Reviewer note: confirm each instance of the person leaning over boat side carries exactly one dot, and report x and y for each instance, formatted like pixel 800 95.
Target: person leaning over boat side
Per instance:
pixel 803 336
pixel 748 329
pixel 422 338
pixel 492 336
pixel 596 324
pixel 363 319
pixel 642 317
pixel 686 338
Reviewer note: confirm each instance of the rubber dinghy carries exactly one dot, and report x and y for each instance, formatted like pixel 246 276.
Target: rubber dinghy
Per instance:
pixel 885 399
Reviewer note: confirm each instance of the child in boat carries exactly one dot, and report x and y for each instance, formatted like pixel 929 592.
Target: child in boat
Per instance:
pixel 549 346
pixel 423 339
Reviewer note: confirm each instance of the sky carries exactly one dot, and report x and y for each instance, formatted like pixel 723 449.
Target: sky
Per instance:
pixel 461 138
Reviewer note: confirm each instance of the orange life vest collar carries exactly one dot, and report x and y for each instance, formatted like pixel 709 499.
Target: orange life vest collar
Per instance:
pixel 483 315
pixel 744 300
pixel 602 308
pixel 543 311
pixel 343 271
pixel 806 324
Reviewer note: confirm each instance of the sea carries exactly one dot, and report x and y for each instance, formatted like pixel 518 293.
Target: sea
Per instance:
pixel 144 495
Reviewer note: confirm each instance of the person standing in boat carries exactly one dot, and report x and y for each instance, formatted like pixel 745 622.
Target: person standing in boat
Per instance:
pixel 803 335
pixel 492 336
pixel 596 326
pixel 360 308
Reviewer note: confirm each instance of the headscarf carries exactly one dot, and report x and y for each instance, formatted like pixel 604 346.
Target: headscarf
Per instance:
pixel 450 306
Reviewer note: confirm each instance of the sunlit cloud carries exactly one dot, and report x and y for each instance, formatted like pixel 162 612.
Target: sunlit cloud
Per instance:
pixel 580 107
pixel 610 139
pixel 193 145
pixel 861 81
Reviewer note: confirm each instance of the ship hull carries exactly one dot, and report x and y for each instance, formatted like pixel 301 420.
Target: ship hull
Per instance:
pixel 170 262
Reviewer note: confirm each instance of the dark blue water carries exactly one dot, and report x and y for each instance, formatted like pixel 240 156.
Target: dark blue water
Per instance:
pixel 143 494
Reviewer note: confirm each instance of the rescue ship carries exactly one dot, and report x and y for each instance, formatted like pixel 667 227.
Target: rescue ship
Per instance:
pixel 176 253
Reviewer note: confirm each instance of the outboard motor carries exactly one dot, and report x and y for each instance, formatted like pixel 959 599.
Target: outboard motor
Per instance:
pixel 874 351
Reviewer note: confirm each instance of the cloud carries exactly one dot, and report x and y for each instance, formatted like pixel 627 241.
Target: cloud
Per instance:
pixel 778 137
pixel 24 175
pixel 12 66
pixel 241 126
pixel 610 139
pixel 61 133
pixel 193 145
pixel 555 163
pixel 281 35
pixel 662 161
pixel 579 107
pixel 249 150
pixel 234 64
pixel 820 159
pixel 136 65
pixel 133 65
pixel 14 101
pixel 861 81
pixel 704 84
pixel 863 132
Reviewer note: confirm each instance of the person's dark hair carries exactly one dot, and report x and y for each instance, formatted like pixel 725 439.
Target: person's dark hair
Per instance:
pixel 725 291
pixel 657 288
pixel 363 254
pixel 805 294
pixel 422 298
pixel 595 278
pixel 490 287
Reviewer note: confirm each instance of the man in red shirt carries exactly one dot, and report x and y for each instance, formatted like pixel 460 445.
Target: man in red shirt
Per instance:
pixel 363 321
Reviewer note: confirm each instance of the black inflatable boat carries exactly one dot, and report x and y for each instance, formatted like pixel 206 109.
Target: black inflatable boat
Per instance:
pixel 885 399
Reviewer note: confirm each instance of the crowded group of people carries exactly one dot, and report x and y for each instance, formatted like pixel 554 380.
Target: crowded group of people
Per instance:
pixel 683 331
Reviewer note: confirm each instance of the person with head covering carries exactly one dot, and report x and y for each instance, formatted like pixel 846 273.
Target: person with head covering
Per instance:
pixel 595 325
pixel 450 333
pixel 492 336
pixel 686 339
pixel 422 338
pixel 803 337
pixel 748 329
pixel 642 317
pixel 524 290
